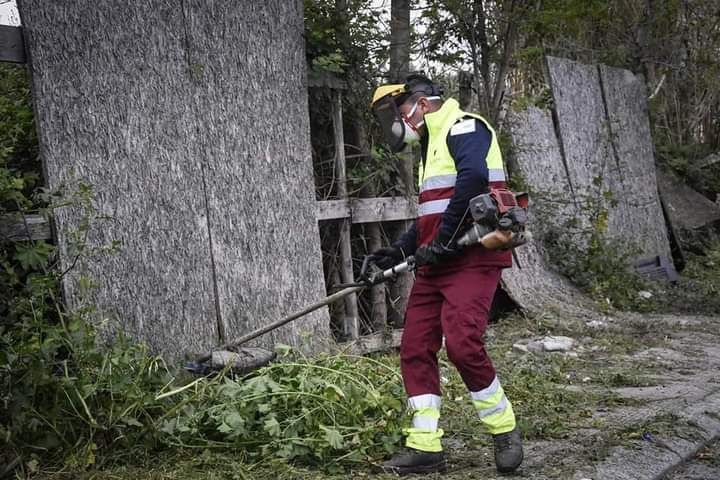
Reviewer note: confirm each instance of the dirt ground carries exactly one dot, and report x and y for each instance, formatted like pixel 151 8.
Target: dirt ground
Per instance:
pixel 636 379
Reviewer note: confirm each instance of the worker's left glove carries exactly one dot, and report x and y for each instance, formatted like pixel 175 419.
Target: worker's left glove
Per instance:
pixel 386 257
pixel 435 252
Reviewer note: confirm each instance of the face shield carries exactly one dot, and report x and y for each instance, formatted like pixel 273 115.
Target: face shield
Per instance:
pixel 391 122
pixel 397 129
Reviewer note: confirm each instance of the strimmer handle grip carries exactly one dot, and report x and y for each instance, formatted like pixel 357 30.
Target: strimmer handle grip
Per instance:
pixel 406 266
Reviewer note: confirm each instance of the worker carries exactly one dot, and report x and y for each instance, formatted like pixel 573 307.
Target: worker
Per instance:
pixel 453 288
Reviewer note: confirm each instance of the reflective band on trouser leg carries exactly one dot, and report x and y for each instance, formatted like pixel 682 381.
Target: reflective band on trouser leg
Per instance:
pixel 494 409
pixel 424 434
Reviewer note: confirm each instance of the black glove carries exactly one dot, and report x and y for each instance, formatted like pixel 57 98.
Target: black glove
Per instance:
pixel 435 252
pixel 386 257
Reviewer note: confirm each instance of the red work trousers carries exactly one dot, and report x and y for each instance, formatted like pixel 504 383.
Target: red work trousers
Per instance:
pixel 455 304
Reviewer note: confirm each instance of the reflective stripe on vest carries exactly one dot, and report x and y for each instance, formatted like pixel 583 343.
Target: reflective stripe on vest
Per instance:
pixel 496 175
pixel 432 207
pixel 440 181
pixel 437 173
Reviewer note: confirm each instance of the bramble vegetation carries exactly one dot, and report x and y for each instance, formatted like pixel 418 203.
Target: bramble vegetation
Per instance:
pixel 71 400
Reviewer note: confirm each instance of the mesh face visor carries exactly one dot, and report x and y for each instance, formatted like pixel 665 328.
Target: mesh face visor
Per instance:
pixel 390 119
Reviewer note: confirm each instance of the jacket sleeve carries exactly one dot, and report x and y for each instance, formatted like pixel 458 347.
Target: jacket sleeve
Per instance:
pixel 407 243
pixel 469 145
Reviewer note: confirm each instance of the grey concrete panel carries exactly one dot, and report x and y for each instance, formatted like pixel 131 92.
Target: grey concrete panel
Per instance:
pixel 190 121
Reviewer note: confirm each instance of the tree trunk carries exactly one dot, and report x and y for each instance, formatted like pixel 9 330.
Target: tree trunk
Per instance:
pixel 498 93
pixel 538 157
pixel 169 109
pixel 484 94
pixel 399 40
pixel 465 89
pixel 399 69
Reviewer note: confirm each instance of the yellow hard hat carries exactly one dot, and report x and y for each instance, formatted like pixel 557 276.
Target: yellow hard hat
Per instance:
pixel 391 90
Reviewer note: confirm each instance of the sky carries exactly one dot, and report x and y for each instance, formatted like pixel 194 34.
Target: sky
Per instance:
pixel 8 13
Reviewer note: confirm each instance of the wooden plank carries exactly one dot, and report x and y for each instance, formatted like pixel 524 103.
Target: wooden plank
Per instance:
pixel 16 228
pixel 352 320
pixel 360 210
pixel 12 46
pixel 382 209
pixel 692 217
pixel 400 290
pixel 368 210
pixel 251 110
pixel 332 209
pixel 378 306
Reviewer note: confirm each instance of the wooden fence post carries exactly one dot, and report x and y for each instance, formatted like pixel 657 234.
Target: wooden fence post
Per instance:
pixel 351 326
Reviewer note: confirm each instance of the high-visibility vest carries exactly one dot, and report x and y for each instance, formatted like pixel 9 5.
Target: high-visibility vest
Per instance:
pixel 437 174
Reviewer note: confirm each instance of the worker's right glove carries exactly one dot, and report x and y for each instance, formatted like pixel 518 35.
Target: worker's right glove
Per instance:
pixel 435 252
pixel 428 255
pixel 386 257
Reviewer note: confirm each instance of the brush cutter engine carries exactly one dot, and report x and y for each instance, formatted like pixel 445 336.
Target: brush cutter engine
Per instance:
pixel 499 219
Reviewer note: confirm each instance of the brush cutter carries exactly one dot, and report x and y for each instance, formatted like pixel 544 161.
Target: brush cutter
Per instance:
pixel 245 360
pixel 498 223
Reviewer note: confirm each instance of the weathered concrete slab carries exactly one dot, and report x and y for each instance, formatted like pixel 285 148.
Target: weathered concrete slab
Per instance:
pixel 695 471
pixel 170 112
pixel 258 170
pixel 537 155
pixel 582 127
pixel 605 140
pixel 639 213
pixel 657 455
pixel 691 214
pixel 644 461
pixel 663 392
pixel 111 111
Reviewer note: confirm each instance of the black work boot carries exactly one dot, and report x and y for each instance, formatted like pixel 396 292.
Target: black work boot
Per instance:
pixel 409 460
pixel 508 451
